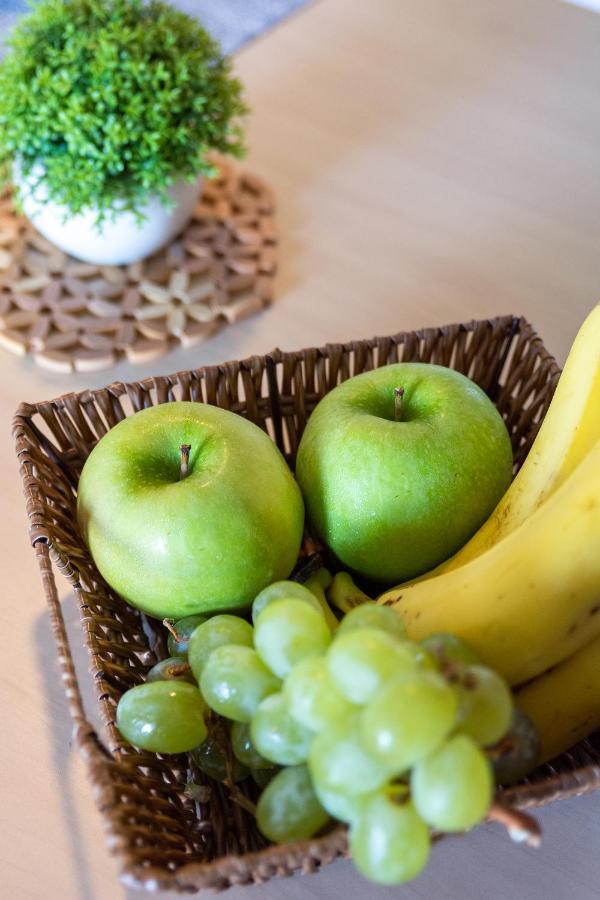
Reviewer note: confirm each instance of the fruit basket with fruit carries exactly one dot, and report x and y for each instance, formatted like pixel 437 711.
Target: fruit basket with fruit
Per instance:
pixel 297 683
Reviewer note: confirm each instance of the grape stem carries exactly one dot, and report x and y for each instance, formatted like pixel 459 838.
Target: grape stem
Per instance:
pixel 218 732
pixel 168 623
pixel 521 827
pixel 239 798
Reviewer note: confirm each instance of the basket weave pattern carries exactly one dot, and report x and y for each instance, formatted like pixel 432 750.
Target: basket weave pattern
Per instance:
pixel 163 838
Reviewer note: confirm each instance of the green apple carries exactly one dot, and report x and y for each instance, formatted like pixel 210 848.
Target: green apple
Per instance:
pixel 187 508
pixel 400 466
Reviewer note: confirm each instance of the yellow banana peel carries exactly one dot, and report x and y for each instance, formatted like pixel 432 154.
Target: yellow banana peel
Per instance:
pixel 570 429
pixel 564 703
pixel 532 599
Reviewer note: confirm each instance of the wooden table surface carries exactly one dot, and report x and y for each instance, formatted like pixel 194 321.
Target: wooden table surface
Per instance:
pixel 434 160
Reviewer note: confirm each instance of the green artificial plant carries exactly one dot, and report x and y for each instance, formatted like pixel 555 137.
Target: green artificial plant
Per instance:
pixel 113 99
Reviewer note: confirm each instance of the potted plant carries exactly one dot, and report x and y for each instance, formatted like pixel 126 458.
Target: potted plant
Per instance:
pixel 108 109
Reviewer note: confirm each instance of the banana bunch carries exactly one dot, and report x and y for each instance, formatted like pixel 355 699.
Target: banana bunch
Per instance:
pixel 570 428
pixel 525 590
pixel 564 703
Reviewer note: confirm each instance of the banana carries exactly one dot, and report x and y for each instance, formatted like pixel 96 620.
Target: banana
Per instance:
pixel 532 599
pixel 564 703
pixel 569 430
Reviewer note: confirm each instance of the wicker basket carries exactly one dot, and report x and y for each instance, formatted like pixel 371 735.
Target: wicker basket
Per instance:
pixel 163 838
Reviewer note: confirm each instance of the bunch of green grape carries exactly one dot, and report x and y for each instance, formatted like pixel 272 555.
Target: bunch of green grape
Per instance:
pixel 350 721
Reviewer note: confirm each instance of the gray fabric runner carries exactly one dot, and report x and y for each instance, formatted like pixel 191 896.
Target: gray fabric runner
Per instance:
pixel 232 22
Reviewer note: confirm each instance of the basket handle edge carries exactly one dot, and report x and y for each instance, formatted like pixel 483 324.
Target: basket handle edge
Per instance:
pixel 85 736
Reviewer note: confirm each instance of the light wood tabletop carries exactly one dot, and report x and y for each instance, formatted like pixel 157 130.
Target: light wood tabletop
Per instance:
pixel 434 161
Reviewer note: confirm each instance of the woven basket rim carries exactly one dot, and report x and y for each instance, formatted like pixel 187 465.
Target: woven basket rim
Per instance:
pixel 277 355
pixel 273 860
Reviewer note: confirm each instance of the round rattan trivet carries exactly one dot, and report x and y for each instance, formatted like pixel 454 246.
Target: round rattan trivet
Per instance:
pixel 72 316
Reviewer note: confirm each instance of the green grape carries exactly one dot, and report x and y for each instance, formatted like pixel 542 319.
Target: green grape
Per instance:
pixel 288 808
pixel 283 590
pixel 288 631
pixel 339 762
pixel 517 753
pixel 217 632
pixel 244 749
pixel 262 777
pixel 452 788
pixel 485 705
pixel 408 719
pixel 389 841
pixel 210 759
pixel 234 680
pixel 362 661
pixel 162 716
pixel 343 807
pixel 185 629
pixel 422 657
pixel 172 669
pixel 448 649
pixel 312 697
pixel 277 736
pixel 369 615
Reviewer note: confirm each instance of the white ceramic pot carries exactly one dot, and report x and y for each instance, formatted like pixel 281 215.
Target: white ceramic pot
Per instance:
pixel 120 239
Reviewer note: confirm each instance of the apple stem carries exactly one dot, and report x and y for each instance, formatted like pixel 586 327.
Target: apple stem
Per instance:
pixel 398 397
pixel 184 460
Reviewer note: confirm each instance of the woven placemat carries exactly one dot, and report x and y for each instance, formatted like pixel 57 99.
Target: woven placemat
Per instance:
pixel 71 316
